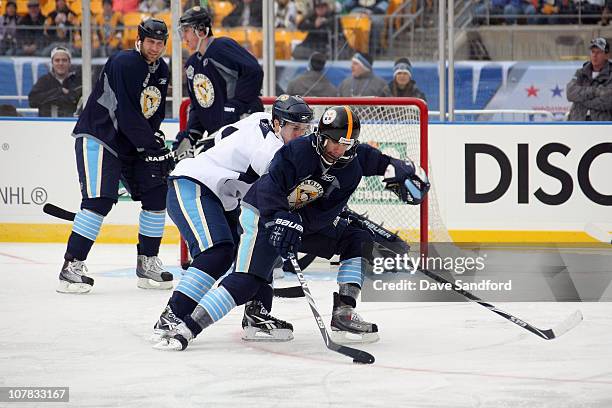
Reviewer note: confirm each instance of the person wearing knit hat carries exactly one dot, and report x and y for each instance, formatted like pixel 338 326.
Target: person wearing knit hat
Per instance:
pixel 58 92
pixel 312 82
pixel 402 83
pixel 363 81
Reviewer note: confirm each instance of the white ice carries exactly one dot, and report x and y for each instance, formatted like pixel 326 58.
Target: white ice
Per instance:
pixel 430 354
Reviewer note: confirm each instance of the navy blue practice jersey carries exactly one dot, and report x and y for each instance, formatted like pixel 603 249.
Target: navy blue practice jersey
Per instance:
pixel 223 84
pixel 297 181
pixel 127 104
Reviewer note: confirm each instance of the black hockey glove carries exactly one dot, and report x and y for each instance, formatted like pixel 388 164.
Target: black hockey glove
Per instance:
pixel 160 162
pixel 285 233
pixel 404 180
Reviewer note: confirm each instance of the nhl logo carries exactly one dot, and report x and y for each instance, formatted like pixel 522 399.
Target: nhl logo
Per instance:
pixel 203 90
pixel 150 99
pixel 329 116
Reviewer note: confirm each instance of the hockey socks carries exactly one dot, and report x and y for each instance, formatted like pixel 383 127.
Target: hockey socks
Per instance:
pixel 213 306
pixel 350 272
pixel 191 289
pixel 150 231
pixel 85 230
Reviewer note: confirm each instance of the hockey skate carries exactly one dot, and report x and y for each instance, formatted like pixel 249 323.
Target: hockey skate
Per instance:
pixel 151 274
pixel 167 322
pixel 348 327
pixel 73 278
pixel 259 325
pixel 176 339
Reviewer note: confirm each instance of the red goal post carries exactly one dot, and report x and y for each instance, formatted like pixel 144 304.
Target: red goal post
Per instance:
pixel 399 127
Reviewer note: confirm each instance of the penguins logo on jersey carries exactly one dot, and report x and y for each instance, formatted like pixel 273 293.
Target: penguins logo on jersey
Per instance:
pixel 189 72
pixel 150 99
pixel 203 90
pixel 306 192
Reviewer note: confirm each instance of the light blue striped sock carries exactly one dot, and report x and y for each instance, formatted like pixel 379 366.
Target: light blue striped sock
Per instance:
pixel 350 271
pixel 87 224
pixel 195 283
pixel 217 303
pixel 151 223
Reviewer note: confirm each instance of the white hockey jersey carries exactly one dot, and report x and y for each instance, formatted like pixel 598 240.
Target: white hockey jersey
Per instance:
pixel 241 154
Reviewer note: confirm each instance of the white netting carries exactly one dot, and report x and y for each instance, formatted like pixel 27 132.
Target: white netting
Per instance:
pixel 396 131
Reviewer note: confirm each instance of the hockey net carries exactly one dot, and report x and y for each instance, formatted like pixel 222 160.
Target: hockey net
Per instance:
pixel 398 127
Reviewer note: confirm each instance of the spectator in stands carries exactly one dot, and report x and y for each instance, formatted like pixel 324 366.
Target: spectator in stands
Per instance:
pixel 307 7
pixel 515 8
pixel 57 93
pixel 30 38
pixel 376 11
pixel 59 23
pixel 591 10
pixel 285 14
pixel 153 6
pixel 320 26
pixel 110 29
pixel 362 81
pixel 312 82
pixel 8 29
pixel 402 83
pixel 245 13
pixel 8 111
pixel 591 88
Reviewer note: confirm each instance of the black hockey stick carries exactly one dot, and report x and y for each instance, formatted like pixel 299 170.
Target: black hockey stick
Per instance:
pixel 58 212
pixel 547 334
pixel 358 356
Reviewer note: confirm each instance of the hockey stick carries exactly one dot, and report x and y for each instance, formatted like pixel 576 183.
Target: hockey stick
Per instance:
pixel 547 334
pixel 58 212
pixel 358 356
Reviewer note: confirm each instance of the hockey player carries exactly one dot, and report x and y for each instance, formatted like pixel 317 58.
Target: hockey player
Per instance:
pixel 223 81
pixel 117 137
pixel 309 182
pixel 203 201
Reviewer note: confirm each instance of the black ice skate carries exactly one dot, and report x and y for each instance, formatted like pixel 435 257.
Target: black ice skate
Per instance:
pixel 73 278
pixel 347 326
pixel 259 325
pixel 167 321
pixel 151 273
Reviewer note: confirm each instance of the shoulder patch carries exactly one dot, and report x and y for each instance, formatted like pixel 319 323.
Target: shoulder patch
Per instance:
pixel 203 90
pixel 189 72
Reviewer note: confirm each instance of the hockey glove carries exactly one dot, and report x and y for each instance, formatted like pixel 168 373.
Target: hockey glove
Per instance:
pixel 409 184
pixel 285 233
pixel 160 162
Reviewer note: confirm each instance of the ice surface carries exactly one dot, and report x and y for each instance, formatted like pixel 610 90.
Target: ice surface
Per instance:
pixel 430 354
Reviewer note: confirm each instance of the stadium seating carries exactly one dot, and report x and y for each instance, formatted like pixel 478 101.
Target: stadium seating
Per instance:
pixel 356 29
pixel 220 9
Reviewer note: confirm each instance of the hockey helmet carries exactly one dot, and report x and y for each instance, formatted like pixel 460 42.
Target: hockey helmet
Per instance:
pixel 197 17
pixel 153 28
pixel 340 124
pixel 294 109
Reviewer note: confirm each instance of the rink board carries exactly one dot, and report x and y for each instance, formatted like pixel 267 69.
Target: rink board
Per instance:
pixel 489 181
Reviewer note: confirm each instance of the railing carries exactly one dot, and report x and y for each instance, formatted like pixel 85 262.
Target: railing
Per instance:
pixel 523 115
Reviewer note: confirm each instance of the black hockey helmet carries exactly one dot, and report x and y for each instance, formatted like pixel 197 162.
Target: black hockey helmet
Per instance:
pixel 153 28
pixel 288 108
pixel 197 17
pixel 340 124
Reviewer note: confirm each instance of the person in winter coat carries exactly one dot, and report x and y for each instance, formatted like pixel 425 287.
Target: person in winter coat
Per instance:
pixel 362 81
pixel 591 88
pixel 312 82
pixel 402 83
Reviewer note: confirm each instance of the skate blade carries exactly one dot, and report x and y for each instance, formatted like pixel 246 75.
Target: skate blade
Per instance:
pixel 170 344
pixel 275 335
pixel 345 337
pixel 157 336
pixel 73 288
pixel 146 283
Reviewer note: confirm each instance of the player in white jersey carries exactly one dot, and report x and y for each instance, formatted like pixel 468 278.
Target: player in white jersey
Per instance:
pixel 203 201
